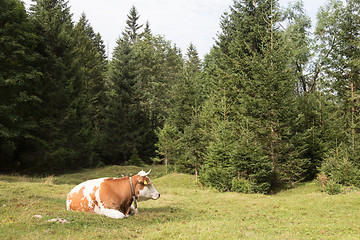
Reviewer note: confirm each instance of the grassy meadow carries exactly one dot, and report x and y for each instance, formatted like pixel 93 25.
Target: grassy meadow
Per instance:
pixel 184 211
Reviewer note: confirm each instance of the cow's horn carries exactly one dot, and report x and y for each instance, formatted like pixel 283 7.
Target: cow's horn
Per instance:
pixel 142 173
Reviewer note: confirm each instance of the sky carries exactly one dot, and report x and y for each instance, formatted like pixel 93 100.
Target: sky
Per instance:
pixel 180 21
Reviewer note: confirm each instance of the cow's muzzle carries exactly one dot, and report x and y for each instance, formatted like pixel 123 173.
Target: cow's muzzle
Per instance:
pixel 156 196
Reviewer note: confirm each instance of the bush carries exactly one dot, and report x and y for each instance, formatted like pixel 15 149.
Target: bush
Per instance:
pixel 223 180
pixel 261 187
pixel 217 178
pixel 241 185
pixel 332 187
pixel 339 168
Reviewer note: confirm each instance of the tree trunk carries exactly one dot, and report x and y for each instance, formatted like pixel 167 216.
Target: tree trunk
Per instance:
pixel 196 172
pixel 166 162
pixel 352 114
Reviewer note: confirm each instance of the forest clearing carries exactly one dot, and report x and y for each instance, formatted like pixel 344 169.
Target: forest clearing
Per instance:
pixel 185 210
pixel 275 103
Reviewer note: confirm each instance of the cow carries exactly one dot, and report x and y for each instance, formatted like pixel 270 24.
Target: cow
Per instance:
pixel 112 197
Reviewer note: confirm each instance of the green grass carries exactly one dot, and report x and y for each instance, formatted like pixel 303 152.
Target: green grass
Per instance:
pixel 184 211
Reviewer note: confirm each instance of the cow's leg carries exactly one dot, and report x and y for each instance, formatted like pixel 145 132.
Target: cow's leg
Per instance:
pixel 133 210
pixel 110 212
pixel 114 213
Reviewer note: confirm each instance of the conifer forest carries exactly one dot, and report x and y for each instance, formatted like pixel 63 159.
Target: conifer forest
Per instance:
pixel 276 101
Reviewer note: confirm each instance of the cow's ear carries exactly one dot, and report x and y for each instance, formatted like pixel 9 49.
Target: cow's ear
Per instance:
pixel 143 181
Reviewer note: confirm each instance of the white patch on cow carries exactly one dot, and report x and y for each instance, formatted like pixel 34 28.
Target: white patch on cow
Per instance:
pixel 149 192
pixel 100 209
pixel 88 188
pixel 68 203
pixel 108 212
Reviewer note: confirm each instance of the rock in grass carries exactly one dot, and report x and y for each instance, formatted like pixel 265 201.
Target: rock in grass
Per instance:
pixel 60 220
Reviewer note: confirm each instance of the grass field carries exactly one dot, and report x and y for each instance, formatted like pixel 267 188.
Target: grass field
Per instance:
pixel 184 211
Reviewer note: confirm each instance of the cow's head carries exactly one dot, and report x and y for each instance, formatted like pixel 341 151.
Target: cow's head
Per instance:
pixel 146 190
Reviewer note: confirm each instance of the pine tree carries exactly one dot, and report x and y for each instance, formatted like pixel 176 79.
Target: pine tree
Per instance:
pixel 147 30
pixel 141 74
pixel 159 70
pixel 187 115
pixel 91 57
pixel 350 66
pixel 183 119
pixel 249 68
pixel 186 100
pixel 19 84
pixel 167 145
pixel 132 26
pixel 63 127
pixel 120 110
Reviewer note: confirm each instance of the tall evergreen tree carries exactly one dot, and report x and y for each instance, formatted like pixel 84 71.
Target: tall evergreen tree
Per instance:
pixel 92 59
pixel 140 77
pixel 19 84
pixel 63 127
pixel 181 135
pixel 132 26
pixel 159 70
pixel 121 106
pixel 127 128
pixel 186 99
pixel 251 73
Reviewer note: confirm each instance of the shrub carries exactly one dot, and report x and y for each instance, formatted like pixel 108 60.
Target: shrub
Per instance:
pixel 241 185
pixel 217 178
pixel 332 187
pixel 263 187
pixel 339 168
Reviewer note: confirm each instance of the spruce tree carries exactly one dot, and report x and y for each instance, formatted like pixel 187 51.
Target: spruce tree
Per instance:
pixel 132 26
pixel 167 145
pixel 121 107
pixel 348 55
pixel 183 119
pixel 127 127
pixel 63 127
pixel 249 68
pixel 159 70
pixel 19 85
pixel 92 59
pixel 187 114
pixel 140 77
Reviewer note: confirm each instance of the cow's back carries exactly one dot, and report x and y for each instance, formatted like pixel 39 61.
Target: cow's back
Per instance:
pixel 85 196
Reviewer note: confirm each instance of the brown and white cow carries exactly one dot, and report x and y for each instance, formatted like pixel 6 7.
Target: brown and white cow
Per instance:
pixel 112 197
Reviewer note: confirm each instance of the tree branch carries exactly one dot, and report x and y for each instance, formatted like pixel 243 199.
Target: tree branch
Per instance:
pixel 321 65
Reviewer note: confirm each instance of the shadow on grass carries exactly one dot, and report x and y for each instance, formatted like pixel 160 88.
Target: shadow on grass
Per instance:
pixel 162 214
pixel 162 209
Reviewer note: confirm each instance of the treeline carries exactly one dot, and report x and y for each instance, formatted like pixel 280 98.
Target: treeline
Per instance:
pixel 272 103
pixel 64 105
